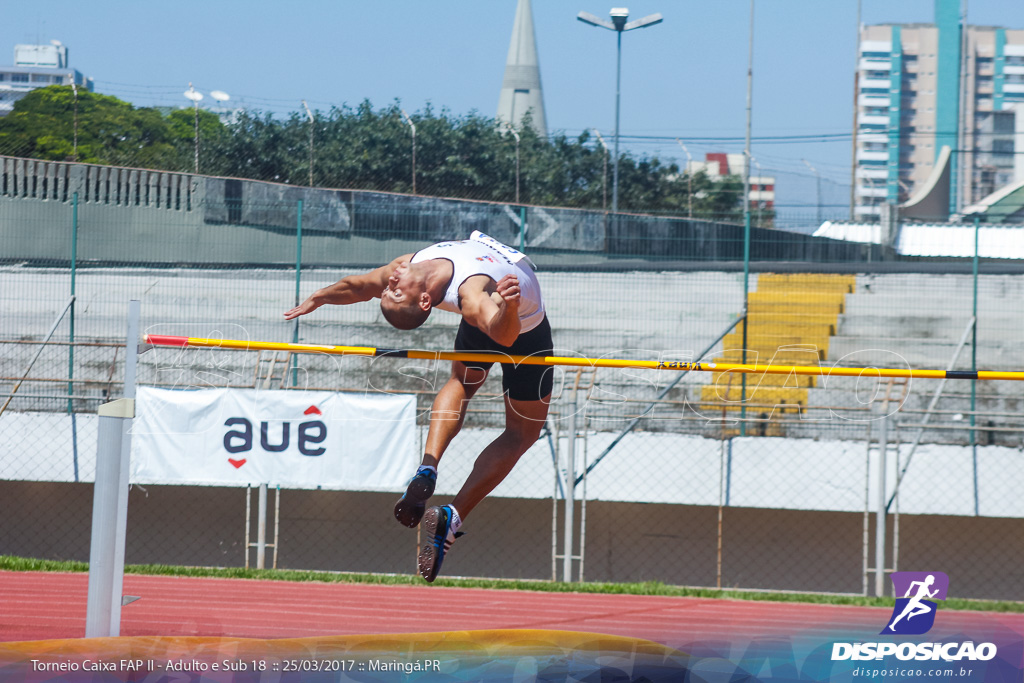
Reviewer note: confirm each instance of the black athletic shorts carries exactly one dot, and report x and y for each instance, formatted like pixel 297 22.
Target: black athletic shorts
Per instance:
pixel 521 382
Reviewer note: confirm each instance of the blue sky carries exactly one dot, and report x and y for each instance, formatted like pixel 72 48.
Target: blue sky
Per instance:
pixel 683 78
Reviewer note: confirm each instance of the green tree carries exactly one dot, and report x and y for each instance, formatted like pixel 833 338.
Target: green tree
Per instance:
pixel 254 147
pixel 468 156
pixel 719 199
pixel 109 130
pixel 213 135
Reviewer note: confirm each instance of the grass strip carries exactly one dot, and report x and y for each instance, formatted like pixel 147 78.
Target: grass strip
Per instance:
pixel 13 563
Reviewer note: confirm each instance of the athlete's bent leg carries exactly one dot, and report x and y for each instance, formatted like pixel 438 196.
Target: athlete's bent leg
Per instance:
pixel 446 418
pixel 523 423
pixel 449 409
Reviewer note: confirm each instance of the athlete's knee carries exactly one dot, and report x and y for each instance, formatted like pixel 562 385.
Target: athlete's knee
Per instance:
pixel 523 431
pixel 471 378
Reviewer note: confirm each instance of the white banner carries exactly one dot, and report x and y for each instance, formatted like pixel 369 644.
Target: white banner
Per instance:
pixel 292 439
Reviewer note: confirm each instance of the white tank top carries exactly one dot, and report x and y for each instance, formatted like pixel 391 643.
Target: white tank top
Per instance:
pixel 483 255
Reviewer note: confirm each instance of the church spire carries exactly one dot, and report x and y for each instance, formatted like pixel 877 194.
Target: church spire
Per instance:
pixel 520 90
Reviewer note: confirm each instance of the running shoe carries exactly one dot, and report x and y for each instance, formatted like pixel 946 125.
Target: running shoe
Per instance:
pixel 439 538
pixel 409 508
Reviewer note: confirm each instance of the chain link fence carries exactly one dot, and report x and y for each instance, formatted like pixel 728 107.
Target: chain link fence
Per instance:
pixel 701 478
pixel 428 153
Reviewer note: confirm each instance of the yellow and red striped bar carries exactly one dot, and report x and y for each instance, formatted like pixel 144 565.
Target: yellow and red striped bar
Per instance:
pixel 488 357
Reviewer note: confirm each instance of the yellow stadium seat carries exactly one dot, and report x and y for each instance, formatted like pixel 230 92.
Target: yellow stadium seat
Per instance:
pixel 766 380
pixel 792 318
pixel 768 343
pixel 800 297
pixel 760 395
pixel 844 283
pixel 809 355
pixel 787 308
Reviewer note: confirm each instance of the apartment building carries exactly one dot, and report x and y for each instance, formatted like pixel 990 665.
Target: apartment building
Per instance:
pixel 924 86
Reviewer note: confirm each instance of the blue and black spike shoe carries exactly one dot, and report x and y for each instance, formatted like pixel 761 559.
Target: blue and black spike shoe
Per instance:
pixel 409 508
pixel 438 534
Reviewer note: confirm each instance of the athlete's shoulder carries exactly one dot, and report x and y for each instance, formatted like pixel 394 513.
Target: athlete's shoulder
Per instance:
pixel 481 282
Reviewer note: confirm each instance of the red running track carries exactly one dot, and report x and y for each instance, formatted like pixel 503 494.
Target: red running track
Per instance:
pixel 43 606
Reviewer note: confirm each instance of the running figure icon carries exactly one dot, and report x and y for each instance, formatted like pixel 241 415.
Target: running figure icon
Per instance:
pixel 915 606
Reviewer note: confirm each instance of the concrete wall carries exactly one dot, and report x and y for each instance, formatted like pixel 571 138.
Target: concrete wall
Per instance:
pixel 153 217
pixel 918 320
pixel 510 538
pixel 821 474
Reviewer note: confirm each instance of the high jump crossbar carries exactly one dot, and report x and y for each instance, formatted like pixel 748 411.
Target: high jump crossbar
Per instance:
pixel 492 357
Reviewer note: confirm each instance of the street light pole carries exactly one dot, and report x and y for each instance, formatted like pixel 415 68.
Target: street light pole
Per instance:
pixel 195 96
pixel 856 124
pixel 311 120
pixel 760 189
pixel 817 177
pixel 412 126
pixel 619 25
pixel 689 181
pixel 74 89
pixel 516 136
pixel 618 100
pixel 746 222
pixel 604 171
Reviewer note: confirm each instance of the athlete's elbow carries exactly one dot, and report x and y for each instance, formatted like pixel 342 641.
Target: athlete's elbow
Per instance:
pixel 505 337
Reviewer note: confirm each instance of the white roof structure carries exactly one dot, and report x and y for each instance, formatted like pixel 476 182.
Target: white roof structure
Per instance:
pixel 1006 203
pixel 919 239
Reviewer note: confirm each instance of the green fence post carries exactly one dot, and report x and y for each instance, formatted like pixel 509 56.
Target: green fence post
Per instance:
pixel 746 219
pixel 522 229
pixel 746 302
pixel 974 330
pixel 974 362
pixel 298 284
pixel 71 320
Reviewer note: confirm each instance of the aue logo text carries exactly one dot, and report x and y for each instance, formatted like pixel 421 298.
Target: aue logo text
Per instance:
pixel 310 433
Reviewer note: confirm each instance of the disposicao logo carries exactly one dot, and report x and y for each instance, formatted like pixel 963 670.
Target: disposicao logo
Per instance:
pixel 914 614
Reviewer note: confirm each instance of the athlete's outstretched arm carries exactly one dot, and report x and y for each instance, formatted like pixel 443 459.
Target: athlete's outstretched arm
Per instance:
pixel 348 290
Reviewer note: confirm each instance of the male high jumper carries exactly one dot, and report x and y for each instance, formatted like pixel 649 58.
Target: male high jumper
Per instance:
pixel 495 290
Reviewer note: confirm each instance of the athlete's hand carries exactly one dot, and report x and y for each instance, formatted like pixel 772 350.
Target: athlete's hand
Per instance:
pixel 307 306
pixel 508 290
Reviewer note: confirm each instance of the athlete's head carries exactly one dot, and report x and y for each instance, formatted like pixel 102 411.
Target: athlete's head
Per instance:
pixel 405 302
